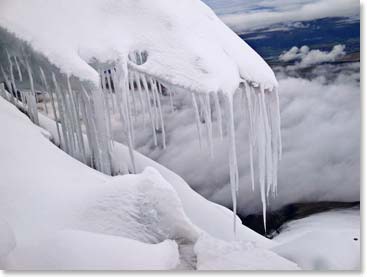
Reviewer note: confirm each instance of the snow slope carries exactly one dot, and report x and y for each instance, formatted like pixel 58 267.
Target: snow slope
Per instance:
pixel 51 203
pixel 78 250
pixel 325 241
pixel 219 226
pixel 184 45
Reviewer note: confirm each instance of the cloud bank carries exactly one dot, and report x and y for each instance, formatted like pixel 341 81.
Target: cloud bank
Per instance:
pixel 255 14
pixel 321 139
pixel 307 57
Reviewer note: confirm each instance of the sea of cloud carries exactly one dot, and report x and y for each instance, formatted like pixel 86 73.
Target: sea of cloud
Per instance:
pixel 242 16
pixel 320 110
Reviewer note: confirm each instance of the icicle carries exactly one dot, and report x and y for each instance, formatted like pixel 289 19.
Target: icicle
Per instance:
pixel 261 138
pixel 119 102
pixel 197 116
pixel 76 117
pixel 156 117
pixel 139 92
pixel 208 123
pixel 161 115
pixel 18 69
pixel 132 94
pixel 106 109
pixel 108 76
pixel 233 166
pixel 219 115
pixel 13 87
pixel 33 102
pixel 44 80
pixel 61 108
pixel 251 134
pixel 146 89
pixel 70 127
pixel 268 154
pixel 124 86
pixel 11 99
pixel 171 99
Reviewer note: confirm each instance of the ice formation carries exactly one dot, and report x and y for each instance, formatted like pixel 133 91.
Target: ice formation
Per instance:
pixel 146 50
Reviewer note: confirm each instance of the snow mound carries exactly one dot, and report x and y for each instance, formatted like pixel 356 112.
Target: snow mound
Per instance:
pixel 212 218
pixel 142 207
pixel 152 46
pixel 78 250
pixel 213 254
pixel 7 241
pixel 185 42
pixel 53 204
pixel 325 241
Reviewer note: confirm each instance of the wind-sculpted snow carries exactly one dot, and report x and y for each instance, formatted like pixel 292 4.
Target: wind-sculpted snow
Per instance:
pixel 129 50
pixel 61 214
pixel 185 41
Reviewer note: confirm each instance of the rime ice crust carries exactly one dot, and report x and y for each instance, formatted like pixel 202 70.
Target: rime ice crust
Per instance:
pixel 186 42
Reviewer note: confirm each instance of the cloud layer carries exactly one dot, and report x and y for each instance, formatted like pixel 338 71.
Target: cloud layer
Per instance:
pixel 255 14
pixel 306 57
pixel 321 138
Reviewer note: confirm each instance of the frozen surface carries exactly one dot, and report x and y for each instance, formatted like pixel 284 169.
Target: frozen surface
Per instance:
pixel 326 241
pixel 186 43
pixel 59 205
pixel 213 254
pixel 48 198
pixel 197 208
pixel 78 250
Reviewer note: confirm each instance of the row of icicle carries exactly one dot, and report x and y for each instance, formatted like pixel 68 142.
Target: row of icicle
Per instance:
pixel 84 119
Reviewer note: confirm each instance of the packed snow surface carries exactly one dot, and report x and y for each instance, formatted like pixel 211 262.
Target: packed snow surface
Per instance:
pixel 184 45
pixel 186 42
pixel 52 203
pixel 325 241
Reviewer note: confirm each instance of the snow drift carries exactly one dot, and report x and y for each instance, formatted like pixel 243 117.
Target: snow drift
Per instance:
pixel 59 205
pixel 151 47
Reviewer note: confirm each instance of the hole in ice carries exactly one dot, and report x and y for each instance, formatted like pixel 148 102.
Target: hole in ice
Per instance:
pixel 138 57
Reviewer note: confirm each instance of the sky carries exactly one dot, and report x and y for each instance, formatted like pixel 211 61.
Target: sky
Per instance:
pixel 244 15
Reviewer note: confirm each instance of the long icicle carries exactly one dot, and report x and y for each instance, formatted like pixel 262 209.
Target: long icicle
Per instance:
pixel 44 80
pixel 233 167
pixel 261 138
pixel 218 110
pixel 12 79
pixel 251 133
pixel 124 86
pixel 18 69
pixel 65 144
pixel 197 117
pixel 208 122
pixel 150 110
pixel 159 91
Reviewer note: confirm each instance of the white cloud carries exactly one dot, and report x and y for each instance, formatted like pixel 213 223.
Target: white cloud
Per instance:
pixel 321 135
pixel 307 57
pixel 276 11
